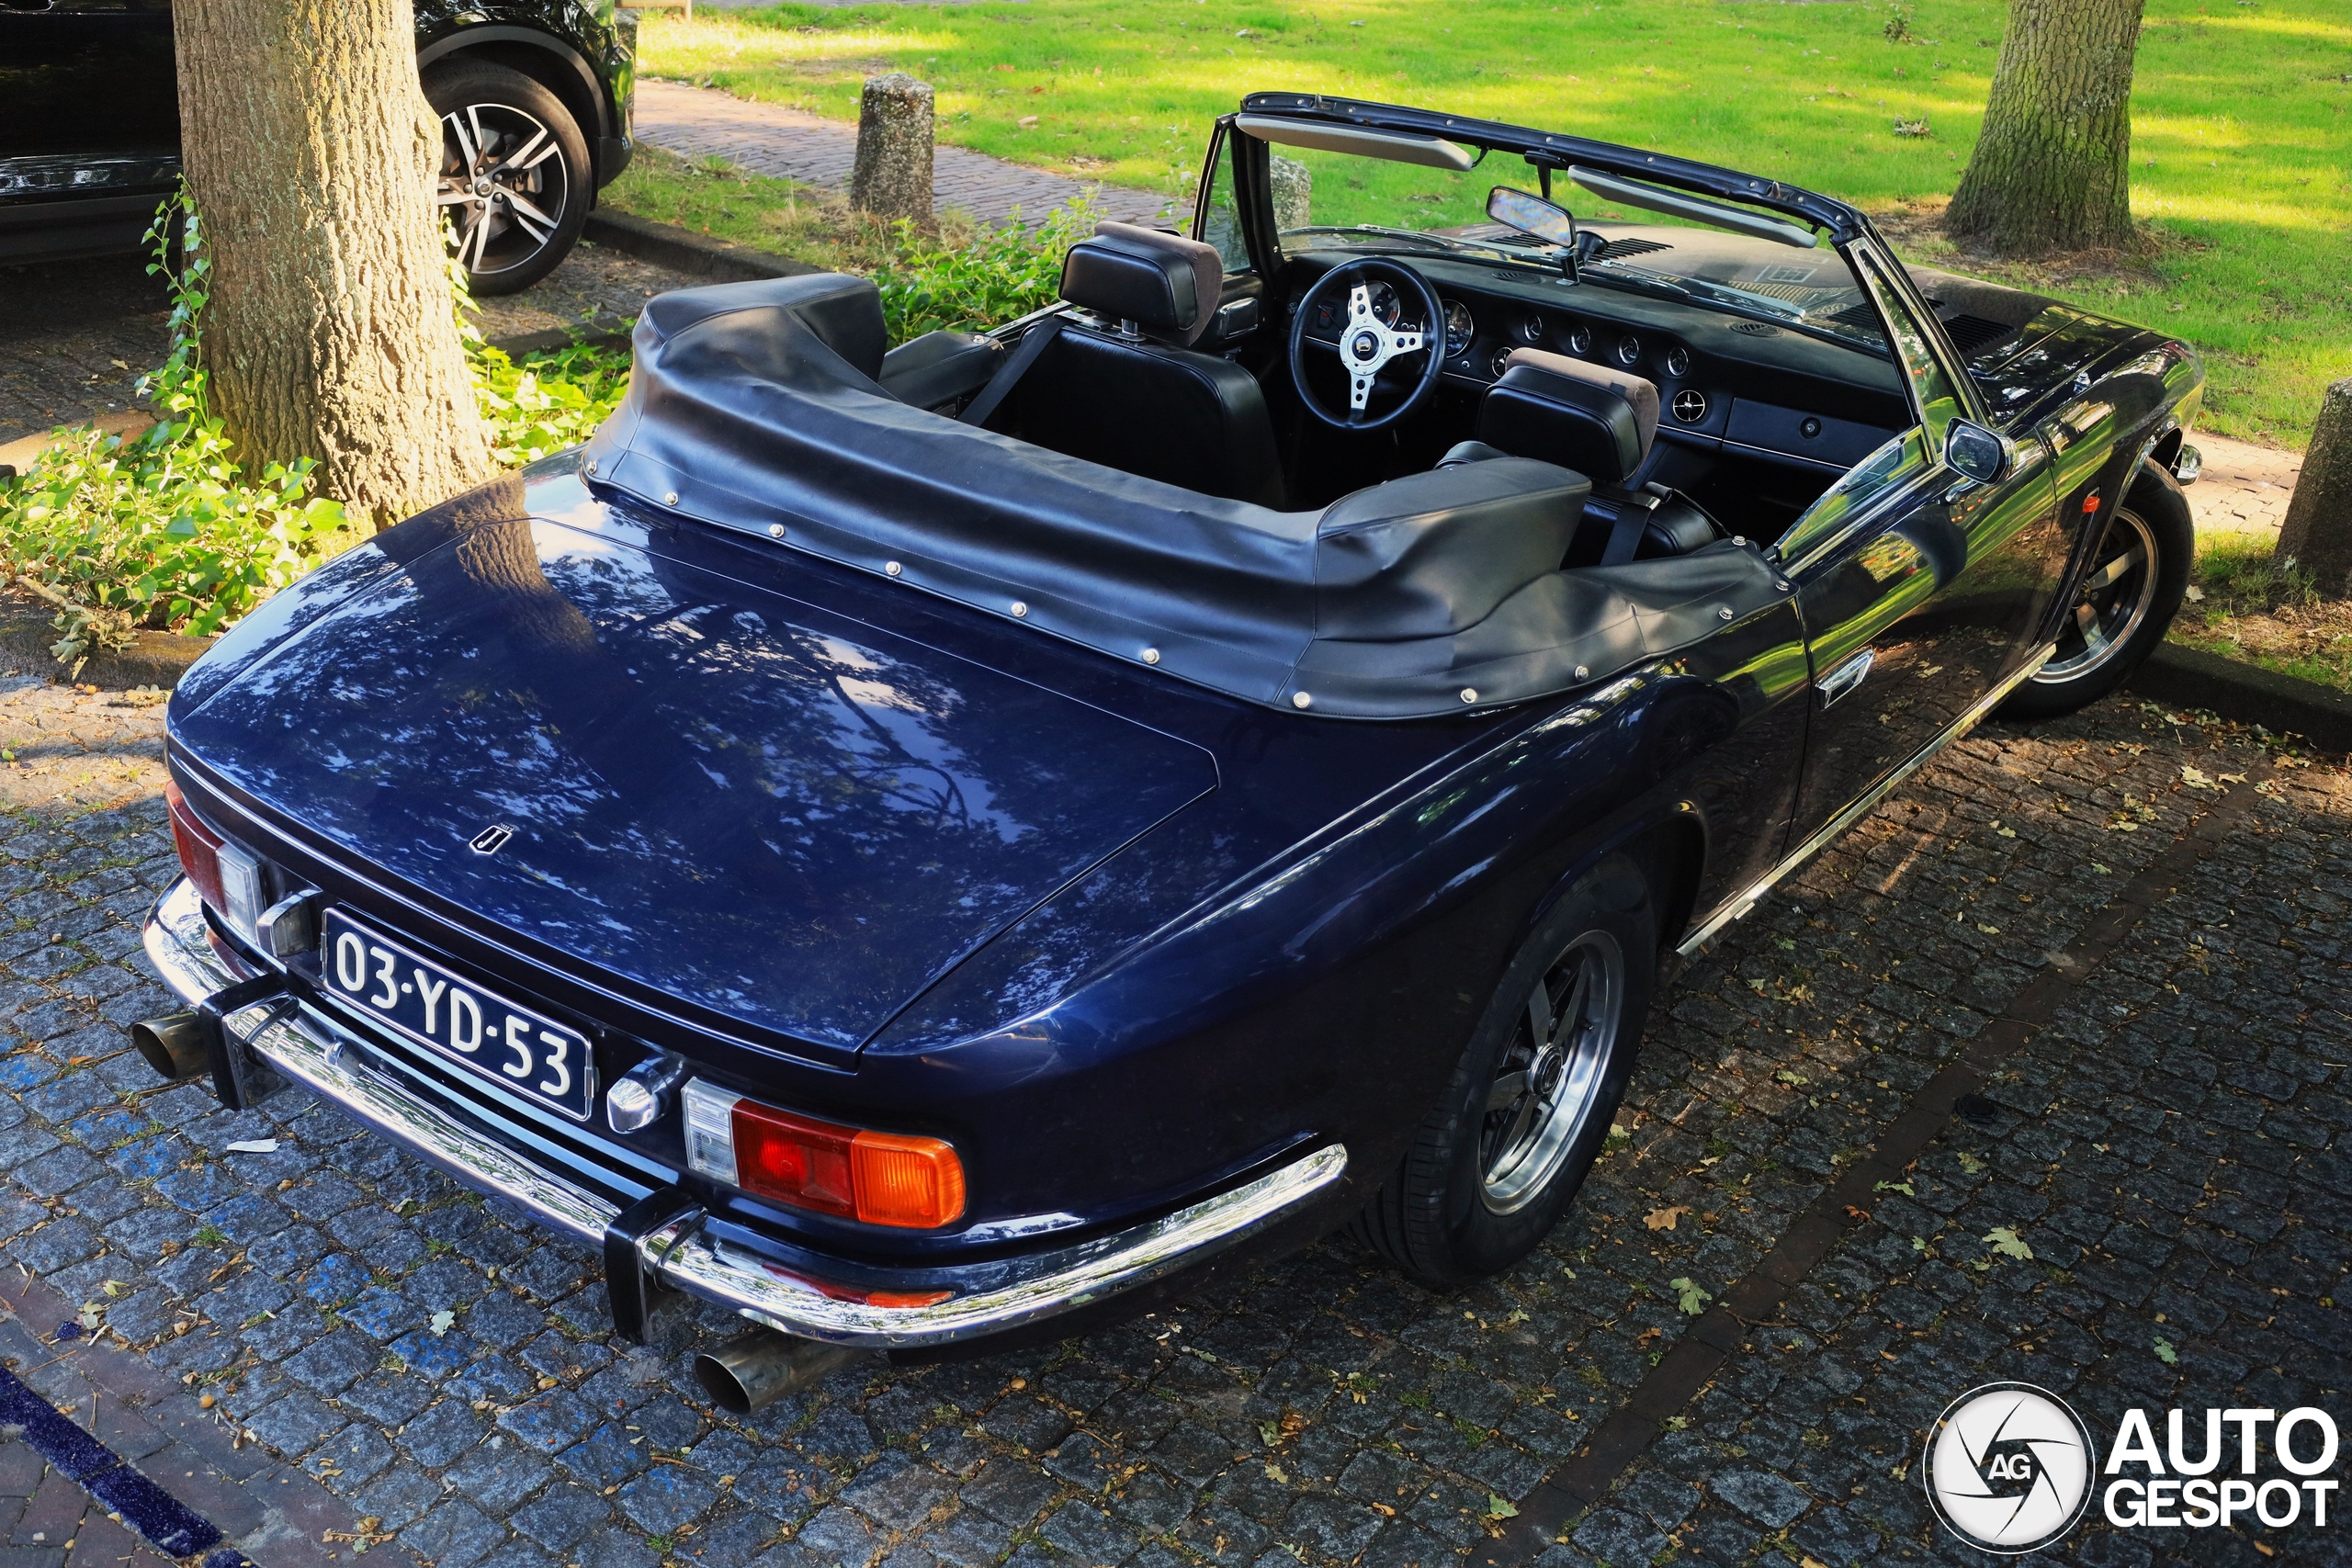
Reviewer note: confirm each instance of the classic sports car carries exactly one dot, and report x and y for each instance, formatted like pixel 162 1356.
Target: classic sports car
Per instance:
pixel 928 844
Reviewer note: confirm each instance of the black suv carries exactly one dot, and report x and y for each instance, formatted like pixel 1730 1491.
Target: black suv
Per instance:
pixel 532 94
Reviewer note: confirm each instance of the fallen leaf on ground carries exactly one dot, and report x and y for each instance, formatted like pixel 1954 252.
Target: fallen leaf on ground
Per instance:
pixel 1692 1300
pixel 2165 1353
pixel 442 1322
pixel 2005 1242
pixel 1664 1219
pixel 253 1146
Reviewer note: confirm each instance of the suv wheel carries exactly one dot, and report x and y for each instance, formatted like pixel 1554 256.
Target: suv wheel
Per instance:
pixel 515 174
pixel 1530 1104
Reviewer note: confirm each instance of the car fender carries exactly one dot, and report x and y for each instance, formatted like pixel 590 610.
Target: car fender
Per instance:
pixel 576 81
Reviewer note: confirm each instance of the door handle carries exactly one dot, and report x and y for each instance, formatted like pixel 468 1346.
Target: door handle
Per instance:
pixel 1846 677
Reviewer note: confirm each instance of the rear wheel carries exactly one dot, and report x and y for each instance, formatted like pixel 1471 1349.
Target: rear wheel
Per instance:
pixel 515 174
pixel 1529 1106
pixel 2125 604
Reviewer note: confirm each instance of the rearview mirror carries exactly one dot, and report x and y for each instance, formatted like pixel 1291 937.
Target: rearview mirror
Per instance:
pixel 1975 452
pixel 1531 215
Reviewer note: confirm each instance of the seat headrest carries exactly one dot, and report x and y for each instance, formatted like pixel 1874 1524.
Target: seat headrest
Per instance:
pixel 1164 282
pixel 1595 420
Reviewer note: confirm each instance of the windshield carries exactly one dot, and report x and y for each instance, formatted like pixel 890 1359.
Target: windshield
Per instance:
pixel 1338 200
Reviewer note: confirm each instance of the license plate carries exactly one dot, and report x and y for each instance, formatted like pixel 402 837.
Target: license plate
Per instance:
pixel 529 1054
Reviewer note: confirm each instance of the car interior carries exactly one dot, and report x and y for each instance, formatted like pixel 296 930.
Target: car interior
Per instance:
pixel 1691 424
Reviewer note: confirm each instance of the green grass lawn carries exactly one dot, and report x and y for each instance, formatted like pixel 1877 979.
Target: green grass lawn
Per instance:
pixel 2242 146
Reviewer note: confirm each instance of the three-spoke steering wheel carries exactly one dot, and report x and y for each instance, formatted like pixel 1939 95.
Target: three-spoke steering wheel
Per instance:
pixel 1367 345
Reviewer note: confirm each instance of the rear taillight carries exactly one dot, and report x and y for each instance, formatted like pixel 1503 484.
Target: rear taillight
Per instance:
pixel 882 1179
pixel 226 877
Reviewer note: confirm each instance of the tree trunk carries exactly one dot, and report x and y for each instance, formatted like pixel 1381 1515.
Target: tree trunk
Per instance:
pixel 329 332
pixel 2318 530
pixel 2053 165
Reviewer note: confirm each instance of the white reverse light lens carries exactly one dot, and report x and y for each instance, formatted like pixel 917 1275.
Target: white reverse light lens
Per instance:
pixel 710 1131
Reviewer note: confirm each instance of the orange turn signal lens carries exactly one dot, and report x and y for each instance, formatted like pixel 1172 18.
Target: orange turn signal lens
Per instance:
pixel 881 1178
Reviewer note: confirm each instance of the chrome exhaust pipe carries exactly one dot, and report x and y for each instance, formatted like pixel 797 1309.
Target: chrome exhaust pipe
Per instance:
pixel 173 1046
pixel 755 1369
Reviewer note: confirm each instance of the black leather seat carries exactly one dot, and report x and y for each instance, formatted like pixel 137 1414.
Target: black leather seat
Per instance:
pixel 1602 424
pixel 1120 387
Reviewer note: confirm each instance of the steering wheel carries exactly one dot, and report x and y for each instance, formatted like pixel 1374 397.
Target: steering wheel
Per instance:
pixel 1367 345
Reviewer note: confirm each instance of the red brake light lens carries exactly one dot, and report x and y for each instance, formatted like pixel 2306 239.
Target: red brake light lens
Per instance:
pixel 198 847
pixel 880 1179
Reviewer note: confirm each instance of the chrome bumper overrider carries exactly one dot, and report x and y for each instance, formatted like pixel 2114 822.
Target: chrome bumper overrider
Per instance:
pixel 302 1043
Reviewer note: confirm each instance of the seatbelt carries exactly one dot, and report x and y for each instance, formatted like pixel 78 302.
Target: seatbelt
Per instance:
pixel 1625 533
pixel 1040 337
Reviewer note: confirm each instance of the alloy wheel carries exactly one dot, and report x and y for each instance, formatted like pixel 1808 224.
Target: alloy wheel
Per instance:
pixel 2115 601
pixel 1549 1081
pixel 503 179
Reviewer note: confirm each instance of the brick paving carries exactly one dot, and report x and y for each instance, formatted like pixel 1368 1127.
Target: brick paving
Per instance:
pixel 2244 488
pixel 2166 1149
pixel 75 336
pixel 787 144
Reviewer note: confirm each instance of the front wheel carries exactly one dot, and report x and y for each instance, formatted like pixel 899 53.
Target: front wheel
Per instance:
pixel 1529 1107
pixel 515 174
pixel 2124 606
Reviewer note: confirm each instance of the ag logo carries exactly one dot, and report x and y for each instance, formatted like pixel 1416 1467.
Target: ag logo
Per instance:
pixel 2008 1468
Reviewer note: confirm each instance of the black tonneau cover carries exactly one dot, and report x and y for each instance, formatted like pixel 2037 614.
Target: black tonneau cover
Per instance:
pixel 756 406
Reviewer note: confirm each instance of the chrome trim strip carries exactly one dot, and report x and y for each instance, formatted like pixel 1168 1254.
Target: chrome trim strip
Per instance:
pixel 305 1044
pixel 1739 904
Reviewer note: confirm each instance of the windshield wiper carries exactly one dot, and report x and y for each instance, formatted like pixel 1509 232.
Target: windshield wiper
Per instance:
pixel 1422 237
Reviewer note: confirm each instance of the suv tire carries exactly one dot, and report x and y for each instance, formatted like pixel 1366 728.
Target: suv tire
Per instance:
pixel 515 180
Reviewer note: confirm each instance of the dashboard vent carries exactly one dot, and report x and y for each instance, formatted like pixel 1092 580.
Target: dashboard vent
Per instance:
pixel 1756 329
pixel 1970 333
pixel 1618 250
pixel 1861 317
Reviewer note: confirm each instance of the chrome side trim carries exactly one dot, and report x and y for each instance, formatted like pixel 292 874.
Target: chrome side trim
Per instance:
pixel 305 1044
pixel 1739 904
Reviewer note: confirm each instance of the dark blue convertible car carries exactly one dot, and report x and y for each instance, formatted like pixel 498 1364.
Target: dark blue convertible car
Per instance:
pixel 932 843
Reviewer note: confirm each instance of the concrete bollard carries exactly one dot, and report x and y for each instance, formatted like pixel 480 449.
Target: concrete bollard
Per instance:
pixel 892 175
pixel 2318 530
pixel 1293 190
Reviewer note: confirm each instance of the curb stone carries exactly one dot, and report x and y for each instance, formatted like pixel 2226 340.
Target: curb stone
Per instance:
pixel 683 250
pixel 2248 693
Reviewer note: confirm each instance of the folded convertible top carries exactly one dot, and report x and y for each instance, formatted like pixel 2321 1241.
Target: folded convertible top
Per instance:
pixel 756 406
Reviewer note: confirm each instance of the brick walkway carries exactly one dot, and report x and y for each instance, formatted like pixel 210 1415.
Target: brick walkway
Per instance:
pixel 75 336
pixel 2244 488
pixel 2166 1146
pixel 785 143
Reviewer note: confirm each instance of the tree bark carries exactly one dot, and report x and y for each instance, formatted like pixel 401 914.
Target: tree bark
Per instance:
pixel 329 332
pixel 2053 165
pixel 2318 530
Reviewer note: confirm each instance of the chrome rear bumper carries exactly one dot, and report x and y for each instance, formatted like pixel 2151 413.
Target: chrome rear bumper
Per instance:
pixel 305 1044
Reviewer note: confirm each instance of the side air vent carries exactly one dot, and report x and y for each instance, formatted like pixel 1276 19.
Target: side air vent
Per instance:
pixel 1618 250
pixel 1970 333
pixel 1756 329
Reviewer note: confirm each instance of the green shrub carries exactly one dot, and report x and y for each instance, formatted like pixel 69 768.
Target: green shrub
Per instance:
pixel 1002 275
pixel 161 529
pixel 549 402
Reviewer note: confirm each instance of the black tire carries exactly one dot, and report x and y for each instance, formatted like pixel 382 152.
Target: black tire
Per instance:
pixel 1481 1186
pixel 514 224
pixel 2115 625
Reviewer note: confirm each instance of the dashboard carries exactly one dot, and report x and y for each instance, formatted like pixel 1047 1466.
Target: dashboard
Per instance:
pixel 1727 385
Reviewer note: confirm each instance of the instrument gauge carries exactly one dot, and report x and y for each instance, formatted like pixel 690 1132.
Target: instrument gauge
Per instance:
pixel 1580 340
pixel 1460 328
pixel 1629 351
pixel 1678 362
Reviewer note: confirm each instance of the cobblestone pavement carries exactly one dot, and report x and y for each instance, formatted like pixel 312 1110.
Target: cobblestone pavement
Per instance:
pixel 786 143
pixel 75 336
pixel 2165 1148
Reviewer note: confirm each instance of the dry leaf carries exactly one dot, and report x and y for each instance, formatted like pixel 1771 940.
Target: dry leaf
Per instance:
pixel 1663 1219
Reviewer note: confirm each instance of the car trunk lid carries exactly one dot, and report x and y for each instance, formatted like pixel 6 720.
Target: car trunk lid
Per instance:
pixel 792 819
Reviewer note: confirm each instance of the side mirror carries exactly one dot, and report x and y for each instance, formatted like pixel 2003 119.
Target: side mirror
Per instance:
pixel 1531 215
pixel 1976 453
